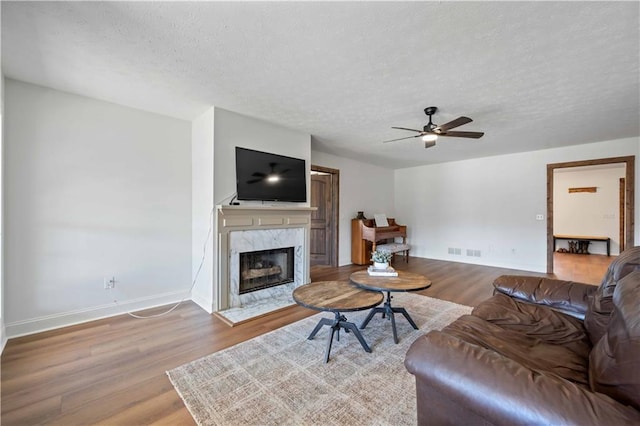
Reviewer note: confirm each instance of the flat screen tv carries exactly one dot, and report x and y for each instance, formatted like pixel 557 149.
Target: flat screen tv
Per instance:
pixel 261 176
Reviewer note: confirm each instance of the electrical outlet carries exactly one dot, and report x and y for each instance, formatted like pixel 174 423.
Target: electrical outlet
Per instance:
pixel 109 283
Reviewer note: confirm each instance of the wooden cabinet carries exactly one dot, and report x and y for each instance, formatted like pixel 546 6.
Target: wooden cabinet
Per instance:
pixel 365 235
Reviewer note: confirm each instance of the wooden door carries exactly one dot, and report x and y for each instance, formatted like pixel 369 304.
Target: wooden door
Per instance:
pixel 321 238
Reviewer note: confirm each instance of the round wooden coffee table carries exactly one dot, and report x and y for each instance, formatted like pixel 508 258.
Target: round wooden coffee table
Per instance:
pixel 405 281
pixel 336 297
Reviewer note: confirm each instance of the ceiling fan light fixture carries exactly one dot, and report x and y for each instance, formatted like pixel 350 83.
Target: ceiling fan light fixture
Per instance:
pixel 430 137
pixel 273 178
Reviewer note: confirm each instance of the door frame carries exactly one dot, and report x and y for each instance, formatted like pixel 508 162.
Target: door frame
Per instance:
pixel 623 214
pixel 335 209
pixel 629 162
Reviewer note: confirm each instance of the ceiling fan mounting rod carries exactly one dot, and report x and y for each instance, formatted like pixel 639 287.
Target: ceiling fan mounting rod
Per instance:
pixel 430 126
pixel 430 111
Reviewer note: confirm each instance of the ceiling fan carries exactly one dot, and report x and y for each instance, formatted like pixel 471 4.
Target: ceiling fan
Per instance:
pixel 430 131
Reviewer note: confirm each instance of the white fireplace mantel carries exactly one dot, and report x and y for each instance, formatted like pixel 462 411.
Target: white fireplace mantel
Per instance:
pixel 241 218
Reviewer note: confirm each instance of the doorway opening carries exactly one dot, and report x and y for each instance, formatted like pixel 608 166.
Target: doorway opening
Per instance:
pixel 627 208
pixel 325 195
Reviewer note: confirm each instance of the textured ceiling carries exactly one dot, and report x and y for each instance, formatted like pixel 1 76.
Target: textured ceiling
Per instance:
pixel 532 75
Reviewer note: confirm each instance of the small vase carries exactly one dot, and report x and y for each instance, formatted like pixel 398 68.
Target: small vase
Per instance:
pixel 381 265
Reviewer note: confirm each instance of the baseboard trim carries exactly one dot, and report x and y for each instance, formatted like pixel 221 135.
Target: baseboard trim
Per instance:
pixel 204 302
pixel 484 261
pixel 3 336
pixel 65 319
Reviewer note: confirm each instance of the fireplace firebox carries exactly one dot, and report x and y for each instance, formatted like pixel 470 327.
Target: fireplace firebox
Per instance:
pixel 266 268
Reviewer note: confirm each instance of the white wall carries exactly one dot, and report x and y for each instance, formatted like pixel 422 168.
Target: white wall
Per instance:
pixel 216 133
pixel 587 213
pixel 363 187
pixel 488 204
pixel 92 190
pixel 203 235
pixel 232 129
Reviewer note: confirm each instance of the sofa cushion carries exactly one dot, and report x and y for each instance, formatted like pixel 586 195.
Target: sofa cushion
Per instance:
pixel 598 314
pixel 565 296
pixel 529 351
pixel 536 321
pixel 614 363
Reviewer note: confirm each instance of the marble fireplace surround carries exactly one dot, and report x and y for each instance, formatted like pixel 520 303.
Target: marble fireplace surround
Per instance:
pixel 250 228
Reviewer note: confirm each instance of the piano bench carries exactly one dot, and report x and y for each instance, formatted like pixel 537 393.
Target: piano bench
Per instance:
pixel 396 248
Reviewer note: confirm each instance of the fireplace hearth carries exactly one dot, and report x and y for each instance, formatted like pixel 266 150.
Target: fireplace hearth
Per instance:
pixel 266 268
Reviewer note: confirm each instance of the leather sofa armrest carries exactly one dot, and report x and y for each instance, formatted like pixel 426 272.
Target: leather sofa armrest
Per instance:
pixel 569 297
pixel 502 391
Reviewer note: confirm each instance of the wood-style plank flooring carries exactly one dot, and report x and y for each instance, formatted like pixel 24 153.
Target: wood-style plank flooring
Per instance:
pixel 112 371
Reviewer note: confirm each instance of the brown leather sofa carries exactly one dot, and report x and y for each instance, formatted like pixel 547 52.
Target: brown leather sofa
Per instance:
pixel 539 351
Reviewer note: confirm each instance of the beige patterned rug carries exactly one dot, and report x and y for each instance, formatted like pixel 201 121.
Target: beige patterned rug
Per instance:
pixel 280 378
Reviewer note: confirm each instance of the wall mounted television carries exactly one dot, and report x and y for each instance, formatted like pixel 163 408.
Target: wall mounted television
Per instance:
pixel 262 176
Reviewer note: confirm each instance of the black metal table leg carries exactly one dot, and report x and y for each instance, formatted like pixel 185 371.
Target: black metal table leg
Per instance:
pixel 371 314
pixel 351 326
pixel 329 342
pixel 388 311
pixel 393 326
pixel 404 312
pixel 323 321
pixel 340 321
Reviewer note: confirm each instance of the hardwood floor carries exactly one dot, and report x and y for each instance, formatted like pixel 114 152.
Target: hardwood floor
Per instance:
pixel 587 269
pixel 112 371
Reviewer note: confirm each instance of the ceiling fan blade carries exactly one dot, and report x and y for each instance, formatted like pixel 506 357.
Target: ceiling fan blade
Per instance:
pixel 453 124
pixel 429 144
pixel 404 128
pixel 254 180
pixel 399 139
pixel 258 174
pixel 473 135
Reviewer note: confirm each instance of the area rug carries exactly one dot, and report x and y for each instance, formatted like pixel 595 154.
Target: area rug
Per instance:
pixel 280 378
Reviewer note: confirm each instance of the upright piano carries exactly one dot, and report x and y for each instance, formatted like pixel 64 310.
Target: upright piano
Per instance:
pixel 365 235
